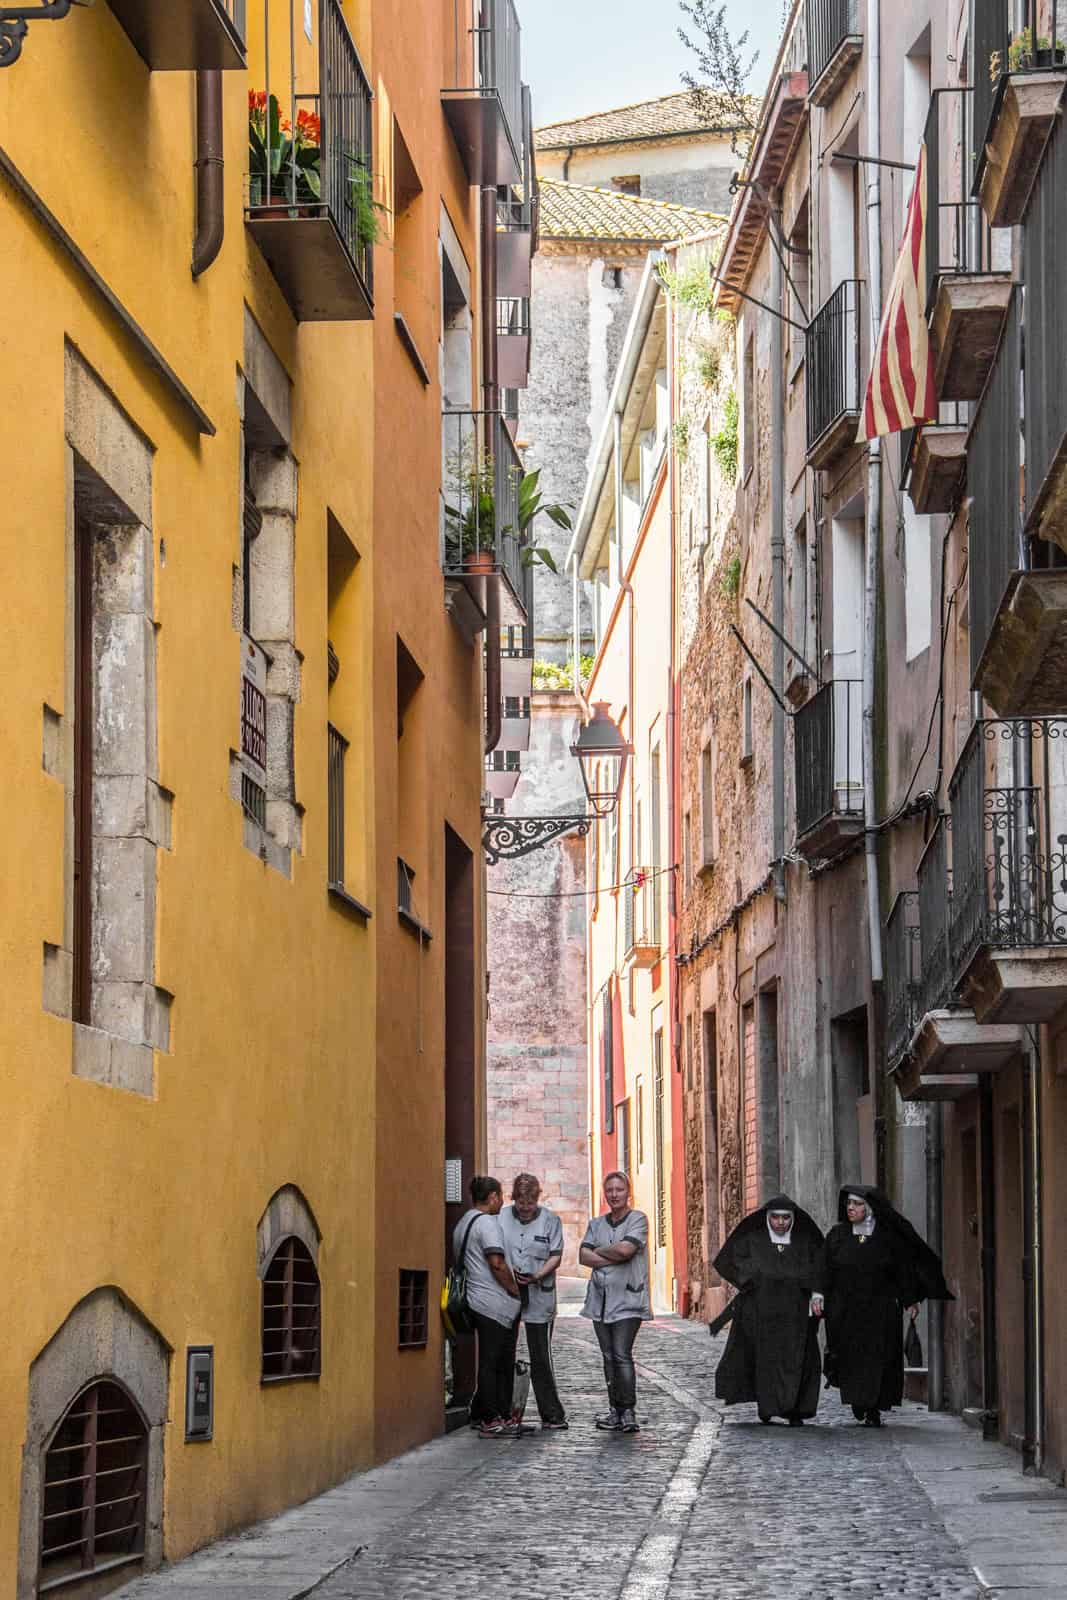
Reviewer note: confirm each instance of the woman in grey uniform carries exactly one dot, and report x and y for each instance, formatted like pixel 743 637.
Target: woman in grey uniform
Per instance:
pixel 617 1300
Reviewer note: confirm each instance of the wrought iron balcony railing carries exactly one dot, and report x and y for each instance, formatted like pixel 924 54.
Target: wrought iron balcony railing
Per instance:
pixel 935 900
pixel 834 386
pixel 1044 252
pixel 480 534
pixel 993 472
pixel 832 24
pixel 828 749
pixel 1002 51
pixel 1009 838
pixel 902 974
pixel 483 103
pixel 311 205
pixel 957 233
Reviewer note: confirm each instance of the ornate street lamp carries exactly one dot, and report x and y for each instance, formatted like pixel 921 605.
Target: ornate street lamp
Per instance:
pixel 602 754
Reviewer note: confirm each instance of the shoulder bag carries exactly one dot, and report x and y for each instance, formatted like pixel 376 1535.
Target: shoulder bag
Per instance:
pixel 455 1312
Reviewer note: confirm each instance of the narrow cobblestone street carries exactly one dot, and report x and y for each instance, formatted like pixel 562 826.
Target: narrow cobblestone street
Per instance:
pixel 703 1502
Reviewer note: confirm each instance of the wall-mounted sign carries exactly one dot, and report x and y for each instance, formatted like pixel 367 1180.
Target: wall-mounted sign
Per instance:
pixel 199 1391
pixel 253 712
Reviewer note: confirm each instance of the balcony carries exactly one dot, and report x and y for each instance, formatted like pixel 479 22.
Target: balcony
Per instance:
pixel 483 107
pixel 935 462
pixel 901 976
pixel 835 43
pixel 311 206
pixel 517 654
pixel 184 35
pixel 503 769
pixel 513 343
pixel 1045 250
pixel 834 386
pixel 1019 98
pixel 641 919
pixel 480 538
pixel 966 301
pixel 517 217
pixel 515 724
pixel 948 1042
pixel 1008 923
pixel 1017 585
pixel 828 754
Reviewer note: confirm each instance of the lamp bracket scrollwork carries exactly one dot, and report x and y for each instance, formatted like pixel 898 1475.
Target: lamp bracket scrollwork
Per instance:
pixel 506 838
pixel 15 19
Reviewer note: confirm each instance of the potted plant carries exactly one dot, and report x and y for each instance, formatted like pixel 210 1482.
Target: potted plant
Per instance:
pixel 470 527
pixel 366 211
pixel 283 163
pixel 1026 56
pixel 1025 109
pixel 531 503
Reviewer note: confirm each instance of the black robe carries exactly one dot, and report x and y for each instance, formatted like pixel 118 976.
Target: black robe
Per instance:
pixel 867 1287
pixel 772 1354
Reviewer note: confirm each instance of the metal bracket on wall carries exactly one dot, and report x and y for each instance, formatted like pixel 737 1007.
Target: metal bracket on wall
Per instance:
pixel 14 20
pixel 505 838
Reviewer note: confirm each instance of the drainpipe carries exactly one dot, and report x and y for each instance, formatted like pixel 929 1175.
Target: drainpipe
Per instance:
pixel 778 572
pixel 874 495
pixel 210 211
pixel 680 1240
pixel 620 563
pixel 494 711
pixel 567 163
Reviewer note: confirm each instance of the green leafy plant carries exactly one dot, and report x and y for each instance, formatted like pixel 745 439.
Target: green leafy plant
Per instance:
pixel 725 442
pixel 680 435
pixel 366 211
pixel 707 364
pixel 691 286
pixel 556 676
pixel 472 525
pixel 731 579
pixel 1023 53
pixel 290 160
pixel 531 504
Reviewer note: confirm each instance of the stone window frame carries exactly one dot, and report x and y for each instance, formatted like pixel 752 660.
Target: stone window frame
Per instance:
pixel 109 477
pixel 288 1215
pixel 267 463
pixel 104 1337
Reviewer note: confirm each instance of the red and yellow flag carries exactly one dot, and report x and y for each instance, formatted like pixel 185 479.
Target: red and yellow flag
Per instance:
pixel 900 390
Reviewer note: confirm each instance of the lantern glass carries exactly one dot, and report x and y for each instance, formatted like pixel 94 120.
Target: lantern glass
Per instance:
pixel 602 754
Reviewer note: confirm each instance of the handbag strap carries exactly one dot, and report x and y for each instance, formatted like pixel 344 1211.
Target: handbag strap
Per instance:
pixel 463 1246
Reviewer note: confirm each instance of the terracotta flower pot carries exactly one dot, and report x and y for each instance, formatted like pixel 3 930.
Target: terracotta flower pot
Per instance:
pixel 480 561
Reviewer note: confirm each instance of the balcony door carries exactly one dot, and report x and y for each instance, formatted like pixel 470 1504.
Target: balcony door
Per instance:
pixel 847 552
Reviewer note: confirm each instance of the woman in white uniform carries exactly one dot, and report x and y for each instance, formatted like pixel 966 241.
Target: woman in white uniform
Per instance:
pixel 617 1300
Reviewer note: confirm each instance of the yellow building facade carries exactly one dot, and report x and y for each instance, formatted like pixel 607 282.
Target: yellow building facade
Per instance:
pixel 224 1044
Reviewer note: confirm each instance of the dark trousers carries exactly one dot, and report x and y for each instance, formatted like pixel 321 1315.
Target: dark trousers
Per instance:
pixel 616 1341
pixel 496 1368
pixel 542 1373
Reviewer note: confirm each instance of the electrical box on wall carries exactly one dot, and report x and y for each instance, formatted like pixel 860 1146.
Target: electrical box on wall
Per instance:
pixel 453 1181
pixel 199 1392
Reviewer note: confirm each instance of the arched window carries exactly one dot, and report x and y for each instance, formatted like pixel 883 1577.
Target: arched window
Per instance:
pixel 93 1512
pixel 292 1346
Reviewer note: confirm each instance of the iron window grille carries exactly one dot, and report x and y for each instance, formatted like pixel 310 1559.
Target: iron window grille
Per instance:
pixel 292 1315
pixel 337 749
pixel 832 348
pixel 93 1516
pixel 935 908
pixel 958 238
pixel 413 1319
pixel 993 471
pixel 405 878
pixel 830 23
pixel 512 317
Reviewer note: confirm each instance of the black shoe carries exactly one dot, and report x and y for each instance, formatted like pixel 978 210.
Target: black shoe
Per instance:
pixel 765 1418
pixel 609 1422
pixel 627 1421
pixel 873 1419
pixel 860 1413
pixel 796 1422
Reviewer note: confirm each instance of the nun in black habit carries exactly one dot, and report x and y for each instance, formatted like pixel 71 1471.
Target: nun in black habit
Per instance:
pixel 772 1354
pixel 874 1269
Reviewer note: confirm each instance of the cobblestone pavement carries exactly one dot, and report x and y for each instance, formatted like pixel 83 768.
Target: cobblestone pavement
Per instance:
pixel 703 1502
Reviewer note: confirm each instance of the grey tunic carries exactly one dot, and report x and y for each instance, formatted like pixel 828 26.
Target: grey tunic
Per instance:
pixel 484 1294
pixel 529 1245
pixel 619 1292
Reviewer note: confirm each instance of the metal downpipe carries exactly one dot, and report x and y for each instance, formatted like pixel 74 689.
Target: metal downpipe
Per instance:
pixel 778 572
pixel 210 209
pixel 873 553
pixel 494 710
pixel 935 1139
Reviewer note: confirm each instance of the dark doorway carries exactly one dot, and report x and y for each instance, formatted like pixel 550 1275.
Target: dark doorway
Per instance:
pixel 461 1106
pixel 853 1102
pixel 711 1136
pixel 969 1309
pixel 1011 1308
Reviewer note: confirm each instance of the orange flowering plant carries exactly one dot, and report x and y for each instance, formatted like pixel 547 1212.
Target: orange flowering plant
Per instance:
pixel 290 161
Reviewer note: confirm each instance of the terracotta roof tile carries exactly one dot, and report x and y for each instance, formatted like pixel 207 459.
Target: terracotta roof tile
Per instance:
pixel 575 211
pixel 649 119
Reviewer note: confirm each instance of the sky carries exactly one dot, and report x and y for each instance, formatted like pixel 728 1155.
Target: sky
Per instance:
pixel 581 56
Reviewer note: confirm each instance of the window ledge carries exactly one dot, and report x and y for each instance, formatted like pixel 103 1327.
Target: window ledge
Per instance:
pixel 290 1377
pixel 341 898
pixel 413 925
pixel 407 340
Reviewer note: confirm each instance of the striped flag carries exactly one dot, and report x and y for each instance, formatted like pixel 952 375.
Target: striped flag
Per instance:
pixel 900 390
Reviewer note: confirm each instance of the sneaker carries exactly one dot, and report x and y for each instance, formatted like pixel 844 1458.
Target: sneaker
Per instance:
pixel 559 1426
pixel 501 1429
pixel 628 1422
pixel 609 1422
